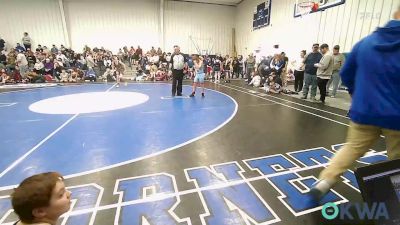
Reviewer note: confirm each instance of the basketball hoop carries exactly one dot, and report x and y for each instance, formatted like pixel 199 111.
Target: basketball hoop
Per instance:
pixel 306 7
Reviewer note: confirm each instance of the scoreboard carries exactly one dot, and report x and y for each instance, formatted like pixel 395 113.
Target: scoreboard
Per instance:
pixel 262 15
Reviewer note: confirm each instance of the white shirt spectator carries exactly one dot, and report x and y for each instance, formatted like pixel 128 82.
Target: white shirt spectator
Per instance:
pixel 82 60
pixel 155 59
pixel 298 64
pixel 60 63
pixel 21 60
pixel 90 61
pixel 38 65
pixel 256 81
pixel 62 57
pixel 107 63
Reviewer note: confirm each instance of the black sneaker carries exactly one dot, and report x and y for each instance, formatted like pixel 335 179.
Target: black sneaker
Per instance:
pixel 192 95
pixel 179 95
pixel 319 190
pixel 202 95
pixel 315 194
pixel 304 97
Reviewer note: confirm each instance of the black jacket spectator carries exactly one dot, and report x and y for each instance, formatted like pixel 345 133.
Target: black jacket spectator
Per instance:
pixel 3 58
pixel 311 59
pixel 2 44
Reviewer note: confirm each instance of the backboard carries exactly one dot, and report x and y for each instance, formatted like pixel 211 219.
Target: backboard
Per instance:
pixel 323 5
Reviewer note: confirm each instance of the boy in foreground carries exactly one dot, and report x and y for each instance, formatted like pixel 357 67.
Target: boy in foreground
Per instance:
pixel 41 199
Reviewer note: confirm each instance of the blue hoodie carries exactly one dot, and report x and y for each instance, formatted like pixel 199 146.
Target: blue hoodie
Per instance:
pixel 372 74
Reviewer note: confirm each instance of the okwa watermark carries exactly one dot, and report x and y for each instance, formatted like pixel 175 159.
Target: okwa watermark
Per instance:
pixel 355 211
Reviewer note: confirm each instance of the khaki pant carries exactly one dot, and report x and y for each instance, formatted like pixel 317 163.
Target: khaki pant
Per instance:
pixel 360 139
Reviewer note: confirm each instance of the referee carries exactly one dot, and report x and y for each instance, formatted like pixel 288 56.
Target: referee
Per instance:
pixel 178 62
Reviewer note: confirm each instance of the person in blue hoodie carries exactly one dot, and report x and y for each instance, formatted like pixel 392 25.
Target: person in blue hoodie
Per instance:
pixel 90 75
pixel 374 83
pixel 20 48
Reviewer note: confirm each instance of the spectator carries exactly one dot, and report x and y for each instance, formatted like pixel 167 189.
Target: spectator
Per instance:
pixel 155 59
pixel 284 73
pixel 228 68
pixel 264 67
pixel 57 71
pixel 250 63
pixel 256 81
pixel 16 76
pixel 161 74
pixel 82 64
pixel 90 61
pixel 90 75
pixel 310 72
pixel 153 51
pixel 241 66
pixel 20 48
pixel 108 75
pixel 235 67
pixel 324 72
pixel 143 61
pixel 38 67
pixel 120 54
pixel 168 59
pixel 139 52
pixel 208 66
pixel 54 50
pixel 35 78
pixel 100 63
pixel 85 49
pixel 61 57
pixel 131 54
pixel 64 76
pixel 190 65
pixel 373 83
pixel 22 63
pixel 217 67
pixel 30 57
pixel 126 52
pixel 2 44
pixel 39 56
pixel 11 60
pixel 62 48
pixel 46 50
pixel 4 78
pixel 48 67
pixel 272 86
pixel 299 67
pixel 26 41
pixel 39 48
pixel 77 74
pixel 60 62
pixel 338 62
pixel 277 64
pixel 119 68
pixel 153 71
pixel 159 52
pixel 41 199
pixel 107 62
pixel 3 58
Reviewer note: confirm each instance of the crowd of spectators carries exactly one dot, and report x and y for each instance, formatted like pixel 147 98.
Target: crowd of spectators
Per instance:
pixel 60 64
